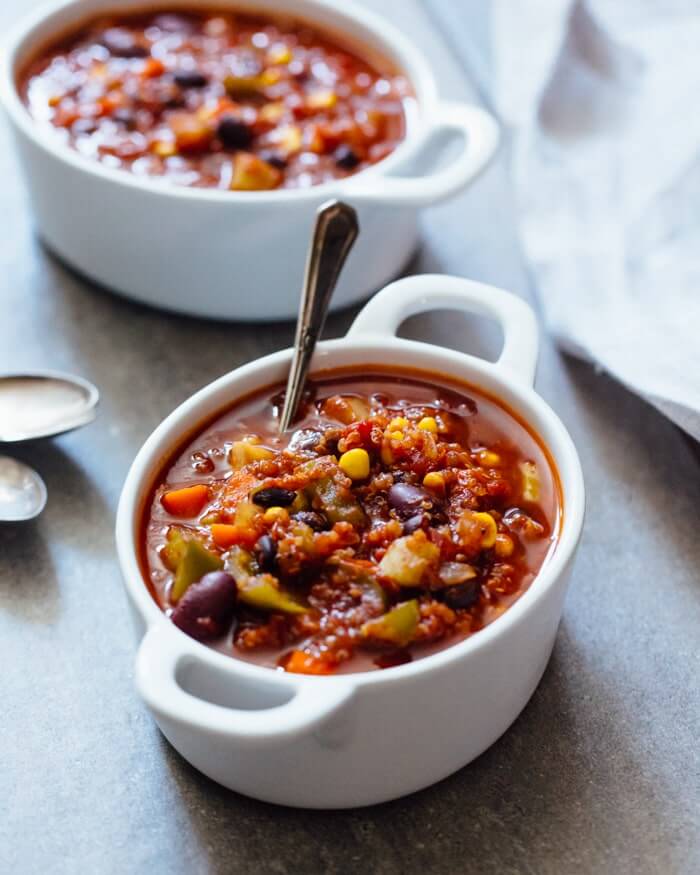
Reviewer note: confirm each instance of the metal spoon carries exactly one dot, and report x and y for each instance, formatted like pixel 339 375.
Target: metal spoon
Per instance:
pixel 22 491
pixel 335 232
pixel 40 404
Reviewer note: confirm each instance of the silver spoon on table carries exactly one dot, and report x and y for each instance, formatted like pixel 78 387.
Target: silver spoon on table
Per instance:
pixel 33 405
pixel 335 232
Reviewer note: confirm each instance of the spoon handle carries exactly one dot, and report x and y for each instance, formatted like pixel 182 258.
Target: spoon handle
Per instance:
pixel 334 234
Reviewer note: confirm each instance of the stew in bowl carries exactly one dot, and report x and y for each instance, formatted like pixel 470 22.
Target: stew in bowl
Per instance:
pixel 399 516
pixel 218 99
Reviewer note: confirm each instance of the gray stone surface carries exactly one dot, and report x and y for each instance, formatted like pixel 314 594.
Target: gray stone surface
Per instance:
pixel 600 772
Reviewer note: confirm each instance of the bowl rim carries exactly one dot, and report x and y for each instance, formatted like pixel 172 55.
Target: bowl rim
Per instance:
pixel 460 368
pixel 393 44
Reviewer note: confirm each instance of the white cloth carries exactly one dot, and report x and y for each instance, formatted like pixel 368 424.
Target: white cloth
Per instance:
pixel 604 100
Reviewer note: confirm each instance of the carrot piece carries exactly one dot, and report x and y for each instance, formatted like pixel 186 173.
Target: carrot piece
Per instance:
pixel 152 67
pixel 224 535
pixel 304 663
pixel 188 501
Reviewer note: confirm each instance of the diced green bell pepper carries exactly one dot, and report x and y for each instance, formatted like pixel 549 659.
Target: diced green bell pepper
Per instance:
pixel 337 502
pixel 397 626
pixel 196 561
pixel 260 592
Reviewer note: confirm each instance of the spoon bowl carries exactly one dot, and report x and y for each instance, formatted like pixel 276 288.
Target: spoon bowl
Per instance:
pixel 41 404
pixel 22 491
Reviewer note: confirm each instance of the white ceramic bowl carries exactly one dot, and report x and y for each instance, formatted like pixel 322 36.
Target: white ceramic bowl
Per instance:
pixel 237 255
pixel 357 739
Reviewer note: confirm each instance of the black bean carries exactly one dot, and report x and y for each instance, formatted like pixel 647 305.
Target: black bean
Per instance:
pixel 274 496
pixel 346 158
pixel 312 518
pixel 234 133
pixel 266 550
pixel 190 78
pixel 273 158
pixel 462 595
pixel 120 43
pixel 206 609
pixel 408 500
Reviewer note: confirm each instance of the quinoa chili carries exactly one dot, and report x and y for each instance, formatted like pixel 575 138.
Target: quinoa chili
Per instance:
pixel 217 99
pixel 399 517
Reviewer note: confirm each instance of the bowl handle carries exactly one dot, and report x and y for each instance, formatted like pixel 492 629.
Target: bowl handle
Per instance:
pixel 306 702
pixel 479 136
pixel 385 312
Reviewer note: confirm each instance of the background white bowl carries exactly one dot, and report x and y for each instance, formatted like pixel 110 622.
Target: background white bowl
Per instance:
pixel 350 740
pixel 237 255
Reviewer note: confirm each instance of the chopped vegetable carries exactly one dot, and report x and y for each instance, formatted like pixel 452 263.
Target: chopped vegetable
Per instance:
pixel 397 626
pixel 263 592
pixel 194 564
pixel 299 662
pixel 224 535
pixel 246 451
pixel 251 173
pixel 408 559
pixel 186 502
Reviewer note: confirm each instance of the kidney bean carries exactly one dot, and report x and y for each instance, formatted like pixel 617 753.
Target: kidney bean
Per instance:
pixel 414 523
pixel 266 549
pixel 393 658
pixel 234 133
pixel 274 496
pixel 206 609
pixel 462 595
pixel 190 78
pixel 408 500
pixel 317 521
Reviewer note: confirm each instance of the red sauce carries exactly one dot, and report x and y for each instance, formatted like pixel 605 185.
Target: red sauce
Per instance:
pixel 455 512
pixel 217 100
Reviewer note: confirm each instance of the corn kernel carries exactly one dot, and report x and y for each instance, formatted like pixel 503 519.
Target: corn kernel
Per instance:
pixel 270 76
pixel 396 435
pixel 289 138
pixel 279 54
pixel 504 546
pixel 428 423
pixel 325 99
pixel 164 148
pixel 489 529
pixel 275 514
pixel 398 422
pixel 488 458
pixel 272 112
pixel 434 480
pixel 355 463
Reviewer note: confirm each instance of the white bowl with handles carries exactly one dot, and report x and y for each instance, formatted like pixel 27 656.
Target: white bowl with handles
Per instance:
pixel 358 739
pixel 237 255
